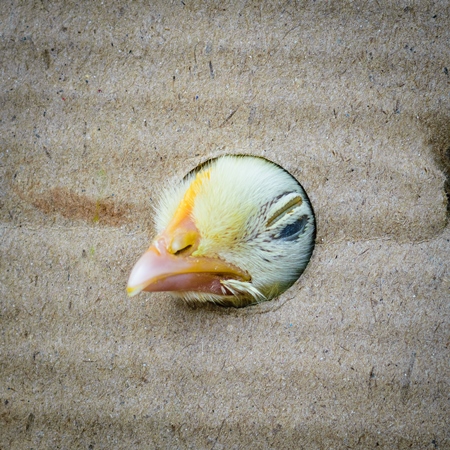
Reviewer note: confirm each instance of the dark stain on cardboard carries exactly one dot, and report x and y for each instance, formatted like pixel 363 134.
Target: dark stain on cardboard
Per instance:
pixel 77 206
pixel 405 382
pixel 446 158
pixel 439 139
pixel 29 423
pixel 47 58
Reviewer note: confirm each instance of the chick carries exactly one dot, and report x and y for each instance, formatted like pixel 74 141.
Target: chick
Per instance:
pixel 237 230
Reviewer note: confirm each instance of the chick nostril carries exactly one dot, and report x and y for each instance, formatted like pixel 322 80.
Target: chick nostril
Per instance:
pixel 182 242
pixel 184 251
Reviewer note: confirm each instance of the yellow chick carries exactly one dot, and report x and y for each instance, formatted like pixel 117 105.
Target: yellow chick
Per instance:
pixel 237 230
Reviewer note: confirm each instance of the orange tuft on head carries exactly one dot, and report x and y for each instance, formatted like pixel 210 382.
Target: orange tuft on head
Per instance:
pixel 187 203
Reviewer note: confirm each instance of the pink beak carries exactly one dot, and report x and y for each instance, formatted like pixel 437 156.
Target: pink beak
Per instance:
pixel 159 270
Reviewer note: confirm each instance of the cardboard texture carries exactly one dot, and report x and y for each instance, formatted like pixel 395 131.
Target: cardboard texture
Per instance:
pixel 104 104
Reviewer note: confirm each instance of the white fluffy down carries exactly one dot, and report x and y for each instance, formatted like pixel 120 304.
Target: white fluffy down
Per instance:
pixel 250 213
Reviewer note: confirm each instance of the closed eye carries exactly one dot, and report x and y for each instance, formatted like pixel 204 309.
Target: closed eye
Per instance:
pixel 283 207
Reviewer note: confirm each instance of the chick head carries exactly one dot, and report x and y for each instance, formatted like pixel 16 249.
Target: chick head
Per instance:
pixel 237 230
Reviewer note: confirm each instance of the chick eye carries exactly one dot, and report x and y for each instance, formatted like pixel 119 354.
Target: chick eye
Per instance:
pixel 293 230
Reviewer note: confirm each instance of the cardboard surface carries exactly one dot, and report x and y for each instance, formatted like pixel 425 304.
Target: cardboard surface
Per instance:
pixel 105 104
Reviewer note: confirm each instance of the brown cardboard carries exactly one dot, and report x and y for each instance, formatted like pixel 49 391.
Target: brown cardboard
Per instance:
pixel 103 104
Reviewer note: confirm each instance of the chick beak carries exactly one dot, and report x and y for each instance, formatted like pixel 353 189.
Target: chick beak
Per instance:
pixel 170 264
